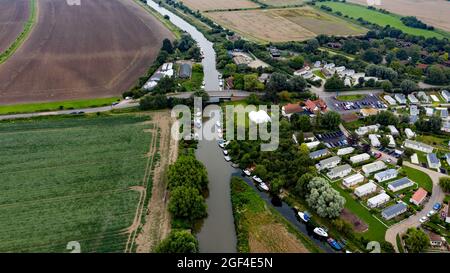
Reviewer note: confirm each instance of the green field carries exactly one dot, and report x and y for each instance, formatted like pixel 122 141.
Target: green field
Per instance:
pixel 419 177
pixel 375 17
pixel 350 97
pixel 54 106
pixel 195 82
pixel 68 179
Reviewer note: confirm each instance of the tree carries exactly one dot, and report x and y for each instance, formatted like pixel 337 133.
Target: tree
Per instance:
pixel 167 46
pixel 178 242
pixel 408 86
pixel 351 46
pixel 384 118
pixel 387 86
pixel 372 55
pixel 296 84
pixel 416 240
pixel 444 182
pixel 260 171
pixel 312 45
pixel 187 203
pixel 153 102
pixel 325 200
pixel 433 125
pixel 384 141
pixel 301 187
pixel 296 62
pixel 276 185
pixel 330 120
pixel 165 85
pixel 437 75
pixel 301 122
pixel 251 83
pixel 334 83
pixel 188 171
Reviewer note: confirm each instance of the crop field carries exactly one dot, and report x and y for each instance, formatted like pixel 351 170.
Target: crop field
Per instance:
pixel 204 5
pixel 357 11
pixel 280 25
pixel 72 179
pixel 281 3
pixel 434 12
pixel 96 50
pixel 13 15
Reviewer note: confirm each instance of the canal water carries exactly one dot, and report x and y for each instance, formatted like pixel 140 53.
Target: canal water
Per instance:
pixel 211 75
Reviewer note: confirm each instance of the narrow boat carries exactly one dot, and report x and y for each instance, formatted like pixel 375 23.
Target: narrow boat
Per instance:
pixel 320 231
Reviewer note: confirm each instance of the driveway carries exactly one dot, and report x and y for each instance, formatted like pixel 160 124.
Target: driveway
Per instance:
pixel 437 196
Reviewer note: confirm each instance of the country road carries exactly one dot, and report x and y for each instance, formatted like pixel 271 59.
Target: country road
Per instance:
pixel 437 196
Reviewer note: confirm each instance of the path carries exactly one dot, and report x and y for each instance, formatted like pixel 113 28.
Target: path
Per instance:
pixel 437 196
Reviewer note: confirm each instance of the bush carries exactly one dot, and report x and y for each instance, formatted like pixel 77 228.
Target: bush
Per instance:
pixel 178 242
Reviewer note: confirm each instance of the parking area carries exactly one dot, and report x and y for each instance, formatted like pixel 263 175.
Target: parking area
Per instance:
pixel 369 101
pixel 333 139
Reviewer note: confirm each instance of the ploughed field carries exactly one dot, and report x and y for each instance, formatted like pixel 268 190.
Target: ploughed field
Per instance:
pixel 97 49
pixel 204 5
pixel 71 179
pixel 281 25
pixel 13 15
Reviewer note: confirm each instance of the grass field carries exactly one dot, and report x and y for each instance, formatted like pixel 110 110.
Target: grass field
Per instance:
pixel 53 106
pixel 289 24
pixel 357 11
pixel 282 3
pixel 71 179
pixel 261 229
pixel 350 97
pixel 195 82
pixel 420 178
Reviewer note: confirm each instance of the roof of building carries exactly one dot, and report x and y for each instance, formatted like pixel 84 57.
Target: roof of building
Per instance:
pixel 386 173
pixel 374 165
pixel 419 195
pixel 318 153
pixel 394 210
pixel 400 182
pixel 366 186
pixel 377 198
pixel 432 158
pixel 354 177
pixel 330 160
pixel 420 144
pixel 292 108
pixel 341 168
pixel 434 237
pixel 185 70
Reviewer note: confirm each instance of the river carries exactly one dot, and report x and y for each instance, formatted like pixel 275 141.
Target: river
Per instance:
pixel 211 75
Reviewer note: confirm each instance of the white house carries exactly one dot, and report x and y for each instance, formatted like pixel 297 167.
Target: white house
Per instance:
pixel 433 161
pixel 318 154
pixel 414 110
pixel 359 158
pixel 386 175
pixel 418 146
pixel 409 133
pixel 446 95
pixel 412 98
pixel 400 184
pixel 390 100
pixel 312 145
pixel 345 151
pixel 391 141
pixel 429 111
pixel 353 180
pixel 367 129
pixel 374 167
pixel 400 98
pixel 393 130
pixel 365 189
pixel 374 141
pixel 378 200
pixel 339 171
pixel 423 97
pixel 328 163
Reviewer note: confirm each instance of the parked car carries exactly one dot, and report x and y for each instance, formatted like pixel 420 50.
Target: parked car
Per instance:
pixel 437 206
pixel 423 219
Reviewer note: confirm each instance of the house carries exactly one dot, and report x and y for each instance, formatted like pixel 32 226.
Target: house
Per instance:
pixel 328 163
pixel 436 240
pixel 393 130
pixel 393 211
pixel 400 184
pixel 423 97
pixel 434 98
pixel 391 141
pixel 429 111
pixel 353 180
pixel 289 109
pixel 386 175
pixel 418 197
pixel 390 100
pixel 446 95
pixel 348 82
pixel 400 98
pixel 264 78
pixel 312 145
pixel 374 167
pixel 409 133
pixel 378 200
pixel 329 66
pixel 315 106
pixel 366 112
pixel 374 141
pixel 418 146
pixel 345 151
pixel 414 110
pixel 444 114
pixel 339 171
pixel 413 98
pixel 317 64
pixel 413 119
pixel 185 71
pixel 367 129
pixel 359 158
pixel 433 161
pixel 445 126
pixel 318 154
pixel 275 52
pixel 334 45
pixel 365 189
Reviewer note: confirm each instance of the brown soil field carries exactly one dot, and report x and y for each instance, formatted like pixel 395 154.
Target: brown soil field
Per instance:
pixel 281 25
pixel 203 5
pixel 280 3
pixel 97 49
pixel 13 15
pixel 433 12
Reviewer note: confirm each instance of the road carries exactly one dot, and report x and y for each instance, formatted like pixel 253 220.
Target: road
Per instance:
pixel 437 196
pixel 122 105
pixel 320 91
pixel 217 94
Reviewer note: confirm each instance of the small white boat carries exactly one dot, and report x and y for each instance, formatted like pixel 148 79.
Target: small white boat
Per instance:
pixel 320 231
pixel 218 124
pixel 257 179
pixel 247 172
pixel 263 186
pixel 304 216
pixel 227 158
pixel 225 152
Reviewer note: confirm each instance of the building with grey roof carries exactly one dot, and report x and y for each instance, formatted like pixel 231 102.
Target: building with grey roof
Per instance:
pixel 318 154
pixel 400 184
pixel 393 211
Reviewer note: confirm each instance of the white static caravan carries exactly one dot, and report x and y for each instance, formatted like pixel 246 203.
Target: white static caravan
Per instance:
pixel 359 158
pixel 353 180
pixel 365 189
pixel 378 200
